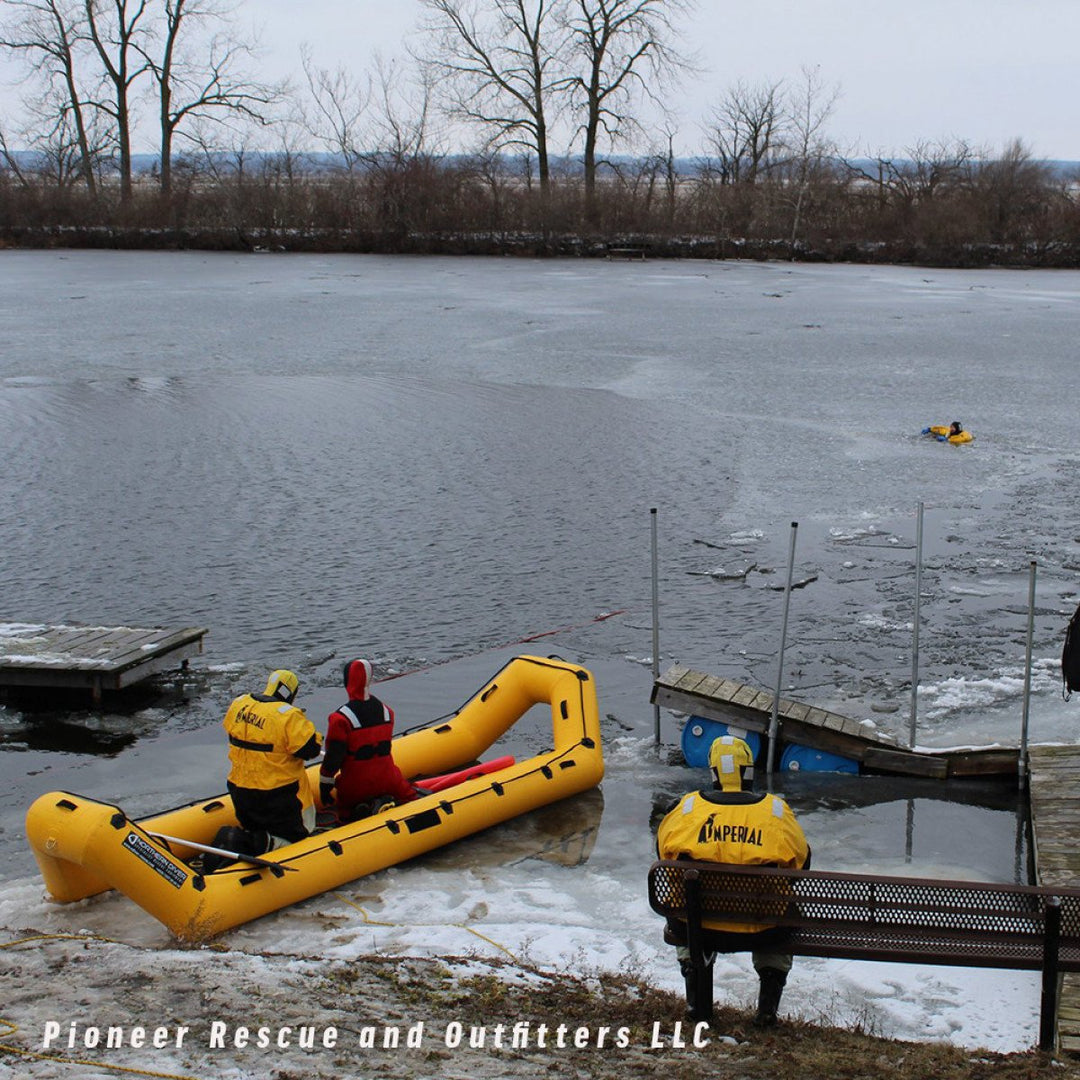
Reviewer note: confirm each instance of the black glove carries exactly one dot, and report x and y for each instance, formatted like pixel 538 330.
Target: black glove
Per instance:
pixel 326 792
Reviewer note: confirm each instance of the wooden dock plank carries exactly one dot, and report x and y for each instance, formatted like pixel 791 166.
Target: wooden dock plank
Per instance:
pixel 1054 798
pixel 745 695
pixel 159 641
pixel 905 762
pixel 762 701
pixel 673 674
pixel 708 686
pixel 794 710
pixel 689 680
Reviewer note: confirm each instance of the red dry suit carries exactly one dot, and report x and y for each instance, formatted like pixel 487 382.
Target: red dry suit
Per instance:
pixel 357 747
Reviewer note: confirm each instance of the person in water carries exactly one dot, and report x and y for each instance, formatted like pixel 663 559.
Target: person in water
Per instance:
pixel 953 433
pixel 732 824
pixel 358 768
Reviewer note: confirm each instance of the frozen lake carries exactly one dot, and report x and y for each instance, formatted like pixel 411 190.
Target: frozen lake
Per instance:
pixel 427 460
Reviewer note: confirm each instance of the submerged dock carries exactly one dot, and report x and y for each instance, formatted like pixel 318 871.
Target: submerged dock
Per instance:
pixel 684 690
pixel 93 658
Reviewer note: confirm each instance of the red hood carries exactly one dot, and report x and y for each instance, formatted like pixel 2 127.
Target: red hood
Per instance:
pixel 357 679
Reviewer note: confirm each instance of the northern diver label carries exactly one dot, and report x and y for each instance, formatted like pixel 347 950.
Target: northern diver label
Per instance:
pixel 155 860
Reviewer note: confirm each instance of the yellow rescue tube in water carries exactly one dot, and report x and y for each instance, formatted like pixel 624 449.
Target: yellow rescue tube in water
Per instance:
pixel 84 846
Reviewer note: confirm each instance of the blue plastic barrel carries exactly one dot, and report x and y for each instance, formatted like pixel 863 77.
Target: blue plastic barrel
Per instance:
pixel 698 736
pixel 806 759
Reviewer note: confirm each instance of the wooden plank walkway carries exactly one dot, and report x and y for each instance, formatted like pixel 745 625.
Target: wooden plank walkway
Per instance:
pixel 94 658
pixel 1054 786
pixel 685 690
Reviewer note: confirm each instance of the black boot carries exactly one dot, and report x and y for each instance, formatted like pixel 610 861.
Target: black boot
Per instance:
pixel 772 987
pixel 234 839
pixel 699 1003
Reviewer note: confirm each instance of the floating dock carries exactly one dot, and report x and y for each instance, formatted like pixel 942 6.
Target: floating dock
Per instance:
pixel 684 690
pixel 93 658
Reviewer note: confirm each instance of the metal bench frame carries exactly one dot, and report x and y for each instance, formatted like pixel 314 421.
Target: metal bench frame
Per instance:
pixel 868 917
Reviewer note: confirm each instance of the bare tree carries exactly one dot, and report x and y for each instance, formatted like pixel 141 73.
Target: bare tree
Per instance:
pixel 1013 190
pixel 618 49
pixel 403 160
pixel 926 171
pixel 118 31
pixel 402 111
pixel 339 102
pixel 500 62
pixel 54 145
pixel 48 34
pixel 201 81
pixel 746 130
pixel 809 145
pixel 671 174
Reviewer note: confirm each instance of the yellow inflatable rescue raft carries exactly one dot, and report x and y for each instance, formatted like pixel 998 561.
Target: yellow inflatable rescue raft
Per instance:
pixel 85 847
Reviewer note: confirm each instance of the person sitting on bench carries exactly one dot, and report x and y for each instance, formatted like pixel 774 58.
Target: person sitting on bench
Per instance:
pixel 732 824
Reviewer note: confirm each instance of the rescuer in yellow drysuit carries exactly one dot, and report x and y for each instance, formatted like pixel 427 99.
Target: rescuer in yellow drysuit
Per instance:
pixel 270 739
pixel 733 824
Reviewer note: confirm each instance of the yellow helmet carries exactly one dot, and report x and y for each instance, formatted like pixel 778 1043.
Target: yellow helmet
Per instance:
pixel 731 762
pixel 282 684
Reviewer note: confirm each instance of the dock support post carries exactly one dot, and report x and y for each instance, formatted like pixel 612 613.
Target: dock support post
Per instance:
pixel 655 626
pixel 1023 768
pixel 915 629
pixel 774 721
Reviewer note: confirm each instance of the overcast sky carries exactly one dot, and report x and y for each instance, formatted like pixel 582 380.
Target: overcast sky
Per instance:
pixel 985 71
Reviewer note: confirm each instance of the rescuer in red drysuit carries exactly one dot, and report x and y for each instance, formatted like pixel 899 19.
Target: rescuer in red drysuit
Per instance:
pixel 357 751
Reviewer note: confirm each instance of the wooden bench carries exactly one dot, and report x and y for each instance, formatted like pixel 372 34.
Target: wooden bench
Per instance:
pixel 866 917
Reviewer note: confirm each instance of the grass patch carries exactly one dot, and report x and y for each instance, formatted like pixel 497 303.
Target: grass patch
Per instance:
pixel 504 995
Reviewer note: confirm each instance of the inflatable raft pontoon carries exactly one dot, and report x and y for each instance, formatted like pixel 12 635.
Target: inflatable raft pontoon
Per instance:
pixel 85 847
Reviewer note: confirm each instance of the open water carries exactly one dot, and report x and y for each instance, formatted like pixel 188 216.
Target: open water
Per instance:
pixel 428 460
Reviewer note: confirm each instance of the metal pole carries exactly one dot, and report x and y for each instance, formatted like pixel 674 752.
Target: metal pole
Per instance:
pixel 1022 770
pixel 774 722
pixel 655 626
pixel 915 629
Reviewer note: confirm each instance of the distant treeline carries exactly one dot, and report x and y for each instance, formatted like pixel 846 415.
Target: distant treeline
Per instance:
pixel 1009 211
pixel 360 156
